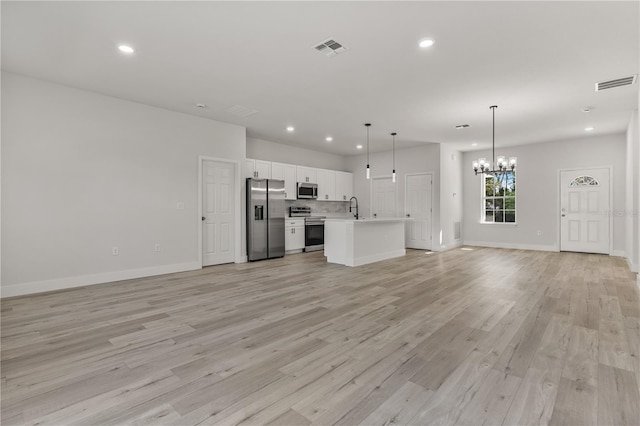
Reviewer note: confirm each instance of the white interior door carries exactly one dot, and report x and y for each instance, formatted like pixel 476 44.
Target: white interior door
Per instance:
pixel 218 212
pixel 584 207
pixel 418 207
pixel 384 198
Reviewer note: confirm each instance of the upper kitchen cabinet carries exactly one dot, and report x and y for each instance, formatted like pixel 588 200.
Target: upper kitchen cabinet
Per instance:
pixel 258 169
pixel 306 174
pixel 344 186
pixel 326 185
pixel 287 173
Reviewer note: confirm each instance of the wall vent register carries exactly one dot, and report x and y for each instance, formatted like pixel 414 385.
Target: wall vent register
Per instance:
pixel 618 82
pixel 330 47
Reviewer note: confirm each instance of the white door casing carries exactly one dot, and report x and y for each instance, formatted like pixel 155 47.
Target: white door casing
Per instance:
pixel 585 203
pixel 383 199
pixel 418 206
pixel 218 212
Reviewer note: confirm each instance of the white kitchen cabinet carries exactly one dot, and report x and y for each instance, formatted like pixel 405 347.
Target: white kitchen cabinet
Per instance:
pixel 258 169
pixel 326 185
pixel 306 174
pixel 344 186
pixel 293 235
pixel 287 173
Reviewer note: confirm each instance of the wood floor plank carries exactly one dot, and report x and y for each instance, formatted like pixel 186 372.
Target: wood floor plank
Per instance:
pixel 582 357
pixel 576 404
pixel 400 407
pixel 491 402
pixel 617 397
pixel 533 402
pixel 482 336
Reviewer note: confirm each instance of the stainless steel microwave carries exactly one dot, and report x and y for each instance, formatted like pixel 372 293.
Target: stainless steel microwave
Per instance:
pixel 307 190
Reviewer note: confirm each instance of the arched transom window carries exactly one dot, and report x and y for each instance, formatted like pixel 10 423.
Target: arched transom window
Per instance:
pixel 584 181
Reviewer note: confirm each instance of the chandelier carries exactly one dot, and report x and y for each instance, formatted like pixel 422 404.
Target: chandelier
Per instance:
pixel 504 165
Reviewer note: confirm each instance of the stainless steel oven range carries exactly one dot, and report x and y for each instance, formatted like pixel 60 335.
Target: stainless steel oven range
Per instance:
pixel 313 228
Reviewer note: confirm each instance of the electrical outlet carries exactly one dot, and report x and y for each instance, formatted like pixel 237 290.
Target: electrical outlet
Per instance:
pixel 180 206
pixel 115 251
pixel 157 247
pixel 539 233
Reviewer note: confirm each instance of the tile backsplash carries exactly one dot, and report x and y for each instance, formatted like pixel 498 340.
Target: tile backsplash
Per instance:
pixel 332 207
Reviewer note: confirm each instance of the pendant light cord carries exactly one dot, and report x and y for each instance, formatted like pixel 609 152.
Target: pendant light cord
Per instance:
pixel 493 138
pixel 394 150
pixel 367 126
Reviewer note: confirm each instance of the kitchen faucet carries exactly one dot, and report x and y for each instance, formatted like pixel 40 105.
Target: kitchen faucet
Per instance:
pixel 354 198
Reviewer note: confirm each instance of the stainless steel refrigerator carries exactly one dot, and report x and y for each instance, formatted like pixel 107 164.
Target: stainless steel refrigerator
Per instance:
pixel 265 218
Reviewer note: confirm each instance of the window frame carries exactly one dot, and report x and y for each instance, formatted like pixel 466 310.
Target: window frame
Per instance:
pixel 483 198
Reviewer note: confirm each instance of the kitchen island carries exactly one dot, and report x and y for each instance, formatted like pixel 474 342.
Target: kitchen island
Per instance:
pixel 354 242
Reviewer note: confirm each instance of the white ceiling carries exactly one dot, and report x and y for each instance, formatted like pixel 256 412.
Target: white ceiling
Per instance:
pixel 538 61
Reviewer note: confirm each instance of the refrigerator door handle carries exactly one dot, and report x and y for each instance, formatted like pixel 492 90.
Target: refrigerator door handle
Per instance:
pixel 258 212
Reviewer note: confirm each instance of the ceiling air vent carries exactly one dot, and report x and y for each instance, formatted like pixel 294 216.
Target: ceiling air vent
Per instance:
pixel 625 81
pixel 330 47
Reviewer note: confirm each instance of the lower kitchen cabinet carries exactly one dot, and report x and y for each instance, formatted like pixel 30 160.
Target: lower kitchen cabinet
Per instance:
pixel 293 235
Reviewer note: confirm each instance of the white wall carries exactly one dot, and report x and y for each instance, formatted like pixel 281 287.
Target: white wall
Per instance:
pixel 632 196
pixel 422 159
pixel 451 195
pixel 280 153
pixel 537 191
pixel 83 172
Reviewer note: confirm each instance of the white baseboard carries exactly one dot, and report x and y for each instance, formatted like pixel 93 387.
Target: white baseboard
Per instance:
pixel 243 259
pixel 511 245
pixel 618 253
pixel 632 266
pixel 83 280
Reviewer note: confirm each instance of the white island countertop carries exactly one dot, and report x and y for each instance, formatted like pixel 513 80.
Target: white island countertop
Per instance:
pixel 352 242
pixel 367 220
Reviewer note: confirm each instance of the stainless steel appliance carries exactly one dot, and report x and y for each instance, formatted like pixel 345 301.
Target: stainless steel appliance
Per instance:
pixel 307 190
pixel 265 218
pixel 313 228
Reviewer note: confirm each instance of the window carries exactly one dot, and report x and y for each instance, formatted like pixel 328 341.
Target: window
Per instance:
pixel 584 181
pixel 499 198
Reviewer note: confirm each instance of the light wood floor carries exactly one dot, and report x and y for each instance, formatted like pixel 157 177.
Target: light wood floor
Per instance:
pixel 486 336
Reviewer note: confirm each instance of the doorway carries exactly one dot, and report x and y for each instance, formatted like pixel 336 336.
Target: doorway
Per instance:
pixel 383 199
pixel 585 203
pixel 418 206
pixel 218 212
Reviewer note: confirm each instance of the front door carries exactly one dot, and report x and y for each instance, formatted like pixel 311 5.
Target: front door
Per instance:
pixel 418 207
pixel 584 211
pixel 218 212
pixel 384 198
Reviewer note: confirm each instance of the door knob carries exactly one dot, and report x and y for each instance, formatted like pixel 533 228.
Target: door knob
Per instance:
pixel 563 215
pixel 203 218
pixel 408 215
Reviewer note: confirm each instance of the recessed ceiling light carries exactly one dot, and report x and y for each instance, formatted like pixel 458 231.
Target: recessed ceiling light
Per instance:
pixel 329 139
pixel 587 109
pixel 290 129
pixel 427 42
pixel 359 146
pixel 126 49
pixel 474 144
pixel 588 129
pixel 462 126
pixel 201 106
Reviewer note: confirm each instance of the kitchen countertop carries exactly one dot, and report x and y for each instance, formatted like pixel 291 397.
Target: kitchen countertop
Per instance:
pixel 369 220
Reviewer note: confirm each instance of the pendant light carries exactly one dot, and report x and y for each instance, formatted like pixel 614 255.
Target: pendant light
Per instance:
pixel 393 175
pixel 367 125
pixel 483 166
